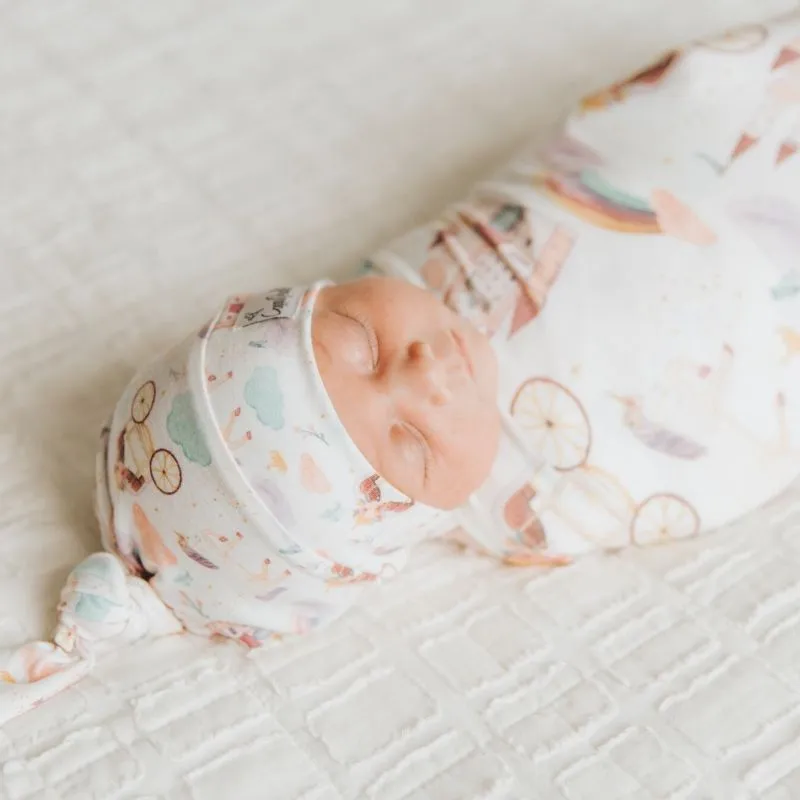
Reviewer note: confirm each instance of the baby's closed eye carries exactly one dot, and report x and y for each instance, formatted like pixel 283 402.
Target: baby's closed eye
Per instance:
pixel 361 341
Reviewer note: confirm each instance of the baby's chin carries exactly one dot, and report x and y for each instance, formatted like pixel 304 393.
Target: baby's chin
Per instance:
pixel 470 462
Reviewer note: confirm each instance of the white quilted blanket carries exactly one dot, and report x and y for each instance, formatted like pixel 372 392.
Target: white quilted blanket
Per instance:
pixel 156 155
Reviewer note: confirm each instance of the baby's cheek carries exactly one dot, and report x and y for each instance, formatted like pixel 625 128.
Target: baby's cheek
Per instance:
pixel 484 439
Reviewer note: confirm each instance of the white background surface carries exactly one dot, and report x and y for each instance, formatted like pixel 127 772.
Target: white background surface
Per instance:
pixel 156 155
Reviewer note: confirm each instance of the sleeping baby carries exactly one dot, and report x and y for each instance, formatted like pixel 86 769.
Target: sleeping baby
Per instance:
pixel 598 349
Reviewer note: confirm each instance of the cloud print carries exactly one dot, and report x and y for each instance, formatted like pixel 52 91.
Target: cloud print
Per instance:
pixel 263 394
pixel 184 430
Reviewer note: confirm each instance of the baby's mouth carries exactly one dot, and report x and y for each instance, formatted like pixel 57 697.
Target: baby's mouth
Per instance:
pixel 464 352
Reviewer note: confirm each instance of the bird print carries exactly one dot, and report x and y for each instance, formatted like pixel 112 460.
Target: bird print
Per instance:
pixel 214 381
pixel 199 558
pixel 225 544
pixel 263 571
pixel 228 428
pixel 343 575
pixel 655 436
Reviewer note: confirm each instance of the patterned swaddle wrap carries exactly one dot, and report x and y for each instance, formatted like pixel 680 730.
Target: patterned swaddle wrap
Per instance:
pixel 640 277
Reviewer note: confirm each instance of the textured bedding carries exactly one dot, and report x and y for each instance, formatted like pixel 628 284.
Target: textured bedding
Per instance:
pixel 171 149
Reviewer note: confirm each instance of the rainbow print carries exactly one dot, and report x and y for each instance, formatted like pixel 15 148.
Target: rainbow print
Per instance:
pixel 590 197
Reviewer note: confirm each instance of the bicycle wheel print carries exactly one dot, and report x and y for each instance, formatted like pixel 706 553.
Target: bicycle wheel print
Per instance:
pixel 553 422
pixel 165 471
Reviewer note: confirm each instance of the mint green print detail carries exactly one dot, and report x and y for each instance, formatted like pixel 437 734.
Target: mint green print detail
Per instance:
pixel 263 394
pixel 184 430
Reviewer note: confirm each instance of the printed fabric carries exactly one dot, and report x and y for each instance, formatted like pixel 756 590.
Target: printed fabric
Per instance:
pixel 639 277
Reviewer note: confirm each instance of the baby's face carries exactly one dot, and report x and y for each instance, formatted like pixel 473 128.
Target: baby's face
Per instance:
pixel 414 385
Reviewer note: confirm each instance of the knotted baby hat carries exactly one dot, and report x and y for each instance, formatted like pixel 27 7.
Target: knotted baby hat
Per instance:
pixel 231 498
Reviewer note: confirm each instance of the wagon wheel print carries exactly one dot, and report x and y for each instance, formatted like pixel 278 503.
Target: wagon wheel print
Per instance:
pixel 554 423
pixel 165 471
pixel 143 401
pixel 597 505
pixel 663 518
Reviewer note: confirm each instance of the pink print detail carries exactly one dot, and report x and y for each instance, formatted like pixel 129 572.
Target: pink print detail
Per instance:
pixel 678 220
pixel 522 519
pixel 214 382
pixel 781 96
pixel 312 477
pixel 261 574
pixel 151 548
pixel 234 443
pixel 225 544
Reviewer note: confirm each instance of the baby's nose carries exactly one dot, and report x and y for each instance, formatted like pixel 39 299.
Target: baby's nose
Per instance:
pixel 427 374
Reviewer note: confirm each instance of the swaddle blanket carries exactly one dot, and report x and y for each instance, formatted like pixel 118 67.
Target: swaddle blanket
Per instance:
pixel 640 283
pixel 640 276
